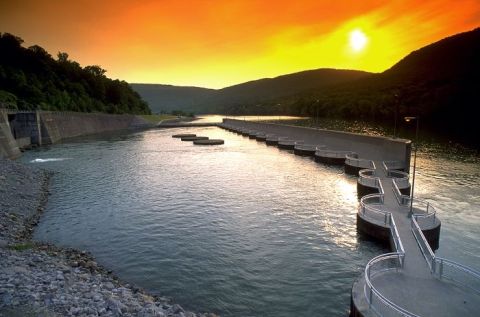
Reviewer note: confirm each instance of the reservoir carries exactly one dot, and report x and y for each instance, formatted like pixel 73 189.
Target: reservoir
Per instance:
pixel 240 229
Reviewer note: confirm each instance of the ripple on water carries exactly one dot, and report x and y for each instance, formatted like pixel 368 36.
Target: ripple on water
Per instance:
pixel 241 229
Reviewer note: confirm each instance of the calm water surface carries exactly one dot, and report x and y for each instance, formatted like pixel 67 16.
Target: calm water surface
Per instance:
pixel 240 229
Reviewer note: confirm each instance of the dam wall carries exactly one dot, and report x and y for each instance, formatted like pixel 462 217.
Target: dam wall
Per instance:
pixel 21 129
pixel 8 145
pixel 366 146
pixel 56 126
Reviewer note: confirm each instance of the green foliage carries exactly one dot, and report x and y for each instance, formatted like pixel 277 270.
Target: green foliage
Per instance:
pixel 30 78
pixel 155 118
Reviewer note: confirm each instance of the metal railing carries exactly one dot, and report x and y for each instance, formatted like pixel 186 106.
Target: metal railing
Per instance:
pixel 444 268
pixel 367 177
pixel 401 198
pixel 423 243
pixel 393 165
pixel 358 162
pixel 396 237
pixel 401 178
pixel 457 273
pixel 381 305
pixel 422 209
pixel 368 209
pixel 384 263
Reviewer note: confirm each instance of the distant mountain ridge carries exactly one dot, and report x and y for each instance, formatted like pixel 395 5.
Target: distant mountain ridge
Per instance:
pixel 439 82
pixel 168 97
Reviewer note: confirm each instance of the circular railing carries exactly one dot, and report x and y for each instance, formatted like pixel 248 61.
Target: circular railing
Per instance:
pixel 369 209
pixel 424 212
pixel 358 162
pixel 376 300
pixel 367 177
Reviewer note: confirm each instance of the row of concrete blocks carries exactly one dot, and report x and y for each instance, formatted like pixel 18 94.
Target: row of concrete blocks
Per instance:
pixel 320 153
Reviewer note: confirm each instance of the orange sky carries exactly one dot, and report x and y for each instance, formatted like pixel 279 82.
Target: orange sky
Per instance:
pixel 217 43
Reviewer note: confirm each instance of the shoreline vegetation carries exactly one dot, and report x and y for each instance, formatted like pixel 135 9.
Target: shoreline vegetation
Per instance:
pixel 41 279
pixel 31 79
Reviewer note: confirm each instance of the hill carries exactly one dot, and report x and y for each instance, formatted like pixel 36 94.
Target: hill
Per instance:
pixel 165 98
pixel 242 97
pixel 248 95
pixel 439 82
pixel 31 79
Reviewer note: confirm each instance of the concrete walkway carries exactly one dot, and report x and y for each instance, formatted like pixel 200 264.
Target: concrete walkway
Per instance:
pixel 413 287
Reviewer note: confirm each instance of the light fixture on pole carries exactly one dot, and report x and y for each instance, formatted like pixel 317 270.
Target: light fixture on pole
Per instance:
pixel 417 119
pixel 396 115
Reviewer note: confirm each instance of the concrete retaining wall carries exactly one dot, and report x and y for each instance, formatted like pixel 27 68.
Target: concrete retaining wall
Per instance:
pixel 367 147
pixel 8 146
pixel 43 127
pixel 56 126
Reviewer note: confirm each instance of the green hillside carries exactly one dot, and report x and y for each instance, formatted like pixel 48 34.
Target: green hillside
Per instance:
pixel 165 98
pixel 31 79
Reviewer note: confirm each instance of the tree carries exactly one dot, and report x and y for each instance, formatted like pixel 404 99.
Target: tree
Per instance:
pixel 95 70
pixel 62 57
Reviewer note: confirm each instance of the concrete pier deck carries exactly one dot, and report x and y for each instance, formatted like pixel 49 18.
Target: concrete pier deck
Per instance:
pixel 411 280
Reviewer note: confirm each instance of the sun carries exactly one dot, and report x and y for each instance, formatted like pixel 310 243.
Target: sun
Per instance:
pixel 358 40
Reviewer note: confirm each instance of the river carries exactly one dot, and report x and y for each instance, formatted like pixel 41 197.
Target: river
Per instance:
pixel 241 229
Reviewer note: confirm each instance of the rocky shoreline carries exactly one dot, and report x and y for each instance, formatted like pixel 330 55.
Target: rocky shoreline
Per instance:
pixel 38 279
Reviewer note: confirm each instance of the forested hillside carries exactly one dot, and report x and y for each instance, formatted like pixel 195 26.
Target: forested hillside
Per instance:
pixel 440 83
pixel 166 98
pixel 30 78
pixel 249 96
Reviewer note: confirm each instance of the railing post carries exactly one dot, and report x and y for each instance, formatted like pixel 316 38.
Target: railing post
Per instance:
pixel 441 268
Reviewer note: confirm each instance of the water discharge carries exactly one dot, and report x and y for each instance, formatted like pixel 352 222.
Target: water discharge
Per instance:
pixel 241 229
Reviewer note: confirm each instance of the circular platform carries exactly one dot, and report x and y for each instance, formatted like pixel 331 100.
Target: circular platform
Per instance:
pixel 304 149
pixel 185 135
pixel 194 138
pixel 209 142
pixel 260 136
pixel 288 144
pixel 271 139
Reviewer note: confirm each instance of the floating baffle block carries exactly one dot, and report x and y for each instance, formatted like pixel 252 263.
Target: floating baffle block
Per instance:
pixel 185 135
pixel 209 142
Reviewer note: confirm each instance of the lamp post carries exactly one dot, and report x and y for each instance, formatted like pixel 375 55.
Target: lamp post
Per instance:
pixel 396 114
pixel 417 119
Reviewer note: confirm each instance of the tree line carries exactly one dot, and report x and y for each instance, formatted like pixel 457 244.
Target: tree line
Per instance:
pixel 30 78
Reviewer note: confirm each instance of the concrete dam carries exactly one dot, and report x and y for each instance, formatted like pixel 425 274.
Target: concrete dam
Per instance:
pixel 410 280
pixel 22 129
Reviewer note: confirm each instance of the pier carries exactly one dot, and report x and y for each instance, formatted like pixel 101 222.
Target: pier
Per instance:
pixel 410 280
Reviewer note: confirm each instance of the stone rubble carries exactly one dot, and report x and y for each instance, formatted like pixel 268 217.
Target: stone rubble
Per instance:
pixel 38 279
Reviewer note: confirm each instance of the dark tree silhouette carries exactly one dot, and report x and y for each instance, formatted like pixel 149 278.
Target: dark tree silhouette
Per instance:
pixel 31 79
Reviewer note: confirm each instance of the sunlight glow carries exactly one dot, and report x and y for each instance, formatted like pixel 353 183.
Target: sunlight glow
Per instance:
pixel 358 40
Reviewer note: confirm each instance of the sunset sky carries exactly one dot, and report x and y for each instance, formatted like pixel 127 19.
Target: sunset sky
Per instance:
pixel 219 43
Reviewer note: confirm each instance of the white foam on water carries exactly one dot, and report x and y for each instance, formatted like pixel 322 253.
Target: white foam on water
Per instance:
pixel 53 159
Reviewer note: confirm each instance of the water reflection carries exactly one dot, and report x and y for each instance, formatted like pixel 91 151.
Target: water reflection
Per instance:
pixel 219 118
pixel 241 229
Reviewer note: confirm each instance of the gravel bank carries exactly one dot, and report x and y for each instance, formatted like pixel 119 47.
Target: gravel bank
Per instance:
pixel 43 280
